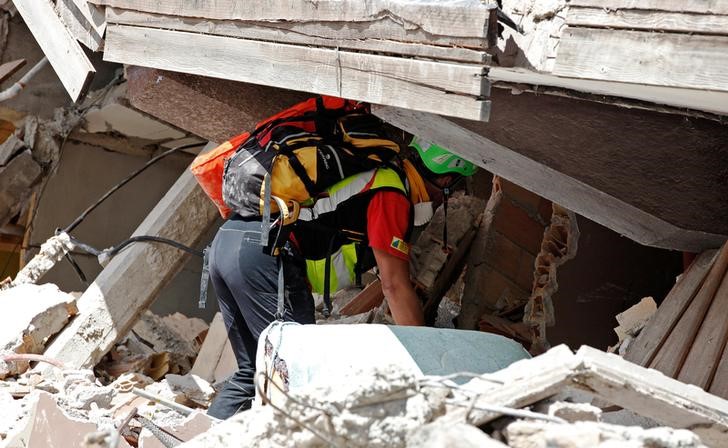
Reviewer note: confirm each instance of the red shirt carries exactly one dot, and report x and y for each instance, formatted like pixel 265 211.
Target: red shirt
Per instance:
pixel 388 219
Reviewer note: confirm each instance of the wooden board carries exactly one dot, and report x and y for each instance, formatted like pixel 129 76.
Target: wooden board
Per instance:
pixel 705 354
pixel 648 20
pixel 8 69
pixel 696 6
pixel 95 15
pixel 644 58
pixel 466 18
pixel 674 350
pixel 211 350
pixel 655 96
pixel 643 349
pixel 719 385
pixel 78 25
pixel 64 53
pixel 408 83
pixel 368 299
pixel 343 36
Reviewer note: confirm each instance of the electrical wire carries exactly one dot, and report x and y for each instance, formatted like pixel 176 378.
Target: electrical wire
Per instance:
pixel 100 94
pixel 156 239
pixel 124 181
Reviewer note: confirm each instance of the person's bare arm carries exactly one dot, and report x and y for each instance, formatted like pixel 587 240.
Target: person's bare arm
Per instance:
pixel 397 287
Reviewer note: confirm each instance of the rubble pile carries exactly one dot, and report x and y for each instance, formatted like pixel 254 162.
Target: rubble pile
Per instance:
pixel 152 388
pixel 117 404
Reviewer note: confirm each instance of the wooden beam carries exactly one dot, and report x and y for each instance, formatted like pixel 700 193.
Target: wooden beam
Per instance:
pixel 694 6
pixel 63 52
pixel 8 69
pixel 78 25
pixel 442 88
pixel 354 36
pixel 642 351
pixel 647 20
pixel 368 299
pixel 564 189
pixel 664 59
pixel 95 15
pixel 671 356
pixel 705 354
pixel 467 18
pixel 131 281
pixel 655 96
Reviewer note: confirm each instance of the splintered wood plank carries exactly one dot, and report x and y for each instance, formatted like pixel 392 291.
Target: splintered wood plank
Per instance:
pixel 696 6
pixel 368 299
pixel 719 385
pixel 644 58
pixel 78 25
pixel 467 18
pixel 350 35
pixel 211 350
pixel 8 69
pixel 63 52
pixel 643 349
pixel 673 352
pixel 706 352
pixel 648 20
pixel 409 83
pixel 95 15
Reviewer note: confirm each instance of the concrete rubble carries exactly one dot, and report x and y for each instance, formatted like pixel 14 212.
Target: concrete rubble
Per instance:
pixel 380 405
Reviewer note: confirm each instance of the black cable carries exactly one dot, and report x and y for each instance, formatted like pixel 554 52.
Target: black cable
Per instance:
pixel 113 251
pixel 77 269
pixel 156 239
pixel 151 161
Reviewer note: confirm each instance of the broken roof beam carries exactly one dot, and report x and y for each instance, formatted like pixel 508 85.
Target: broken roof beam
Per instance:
pixel 378 36
pixel 644 51
pixel 131 281
pixel 439 87
pixel 62 50
pixel 638 204
pixel 462 18
pixel 661 59
pixel 84 21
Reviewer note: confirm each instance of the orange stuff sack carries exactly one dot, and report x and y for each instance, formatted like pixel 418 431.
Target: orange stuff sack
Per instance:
pixel 208 168
pixel 314 114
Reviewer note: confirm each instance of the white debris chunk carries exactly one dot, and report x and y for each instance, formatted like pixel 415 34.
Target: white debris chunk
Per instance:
pixel 461 435
pixel 575 412
pixel 193 387
pixel 32 314
pixel 532 434
pixel 376 408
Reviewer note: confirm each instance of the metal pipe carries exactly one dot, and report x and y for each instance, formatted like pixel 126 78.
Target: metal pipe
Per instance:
pixel 19 85
pixel 182 409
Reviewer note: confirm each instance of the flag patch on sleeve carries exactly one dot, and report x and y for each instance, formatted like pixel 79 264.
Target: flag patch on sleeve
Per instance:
pixel 400 245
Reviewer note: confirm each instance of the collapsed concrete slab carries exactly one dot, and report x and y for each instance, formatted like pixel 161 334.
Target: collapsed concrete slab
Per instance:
pixel 531 434
pixel 609 377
